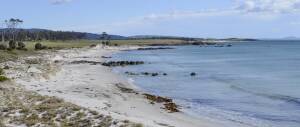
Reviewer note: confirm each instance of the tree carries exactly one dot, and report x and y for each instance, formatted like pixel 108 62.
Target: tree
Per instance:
pixel 105 38
pixel 12 24
pixel 3 33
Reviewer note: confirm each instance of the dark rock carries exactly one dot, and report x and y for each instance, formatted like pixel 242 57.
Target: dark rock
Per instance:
pixel 193 74
pixel 158 48
pixel 131 73
pixel 86 62
pixel 154 74
pixel 145 73
pixel 106 57
pixel 121 63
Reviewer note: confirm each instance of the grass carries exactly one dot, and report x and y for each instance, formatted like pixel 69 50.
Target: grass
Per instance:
pixel 15 54
pixel 3 78
pixel 1 71
pixel 147 42
pixel 63 44
pixel 35 109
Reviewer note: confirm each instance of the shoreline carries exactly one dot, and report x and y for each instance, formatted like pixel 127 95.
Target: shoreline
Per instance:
pixel 94 87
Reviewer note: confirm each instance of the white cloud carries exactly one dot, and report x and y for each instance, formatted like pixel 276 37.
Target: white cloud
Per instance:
pixel 248 9
pixel 56 2
pixel 268 6
pixel 260 9
pixel 188 14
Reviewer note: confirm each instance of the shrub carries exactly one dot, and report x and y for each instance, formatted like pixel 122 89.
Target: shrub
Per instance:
pixel 39 46
pixel 93 45
pixel 3 47
pixel 12 44
pixel 1 71
pixel 21 45
pixel 9 49
pixel 3 78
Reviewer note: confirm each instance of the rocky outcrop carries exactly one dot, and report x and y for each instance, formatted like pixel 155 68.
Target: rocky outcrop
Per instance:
pixel 106 57
pixel 86 62
pixel 122 63
pixel 153 74
pixel 153 48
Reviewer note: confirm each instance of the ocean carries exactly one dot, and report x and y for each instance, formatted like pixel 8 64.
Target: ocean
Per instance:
pixel 251 83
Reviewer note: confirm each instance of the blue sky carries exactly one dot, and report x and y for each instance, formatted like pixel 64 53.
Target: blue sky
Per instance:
pixel 194 18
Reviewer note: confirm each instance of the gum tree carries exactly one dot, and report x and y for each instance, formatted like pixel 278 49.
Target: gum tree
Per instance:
pixel 12 24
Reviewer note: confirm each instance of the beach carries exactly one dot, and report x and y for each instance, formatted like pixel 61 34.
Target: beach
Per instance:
pixel 251 83
pixel 97 88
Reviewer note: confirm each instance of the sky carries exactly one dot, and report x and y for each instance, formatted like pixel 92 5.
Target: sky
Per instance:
pixel 192 18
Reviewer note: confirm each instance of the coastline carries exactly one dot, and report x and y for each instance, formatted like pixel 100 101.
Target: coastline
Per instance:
pixel 94 87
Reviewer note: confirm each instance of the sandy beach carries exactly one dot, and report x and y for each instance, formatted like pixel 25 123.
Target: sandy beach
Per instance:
pixel 97 88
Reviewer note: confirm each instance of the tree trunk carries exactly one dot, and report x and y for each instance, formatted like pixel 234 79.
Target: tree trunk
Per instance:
pixel 3 38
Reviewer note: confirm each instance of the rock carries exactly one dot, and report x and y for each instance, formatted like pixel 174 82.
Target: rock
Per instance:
pixel 154 74
pixel 193 74
pixel 130 73
pixel 159 48
pixel 145 73
pixel 106 57
pixel 86 62
pixel 121 63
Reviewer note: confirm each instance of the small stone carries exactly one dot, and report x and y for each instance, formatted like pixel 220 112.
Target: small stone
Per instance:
pixel 193 74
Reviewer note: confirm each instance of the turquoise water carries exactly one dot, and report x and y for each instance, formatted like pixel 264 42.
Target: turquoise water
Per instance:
pixel 252 83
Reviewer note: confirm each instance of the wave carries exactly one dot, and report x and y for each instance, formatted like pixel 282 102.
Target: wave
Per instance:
pixel 285 98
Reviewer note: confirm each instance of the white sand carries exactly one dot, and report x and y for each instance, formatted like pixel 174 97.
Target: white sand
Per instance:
pixel 93 87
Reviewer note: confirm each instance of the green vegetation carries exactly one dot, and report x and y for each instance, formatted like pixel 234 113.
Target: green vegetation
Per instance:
pixel 3 78
pixel 6 55
pixel 147 42
pixel 63 44
pixel 1 71
pixel 34 109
